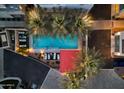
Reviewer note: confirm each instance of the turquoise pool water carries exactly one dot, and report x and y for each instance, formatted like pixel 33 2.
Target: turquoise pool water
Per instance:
pixel 56 42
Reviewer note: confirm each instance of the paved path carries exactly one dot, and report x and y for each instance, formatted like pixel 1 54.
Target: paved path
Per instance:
pixel 53 80
pixel 105 79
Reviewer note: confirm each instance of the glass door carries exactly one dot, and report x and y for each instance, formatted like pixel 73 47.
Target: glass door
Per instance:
pixel 119 44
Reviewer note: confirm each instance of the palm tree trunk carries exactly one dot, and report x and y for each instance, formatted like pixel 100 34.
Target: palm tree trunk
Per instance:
pixel 86 41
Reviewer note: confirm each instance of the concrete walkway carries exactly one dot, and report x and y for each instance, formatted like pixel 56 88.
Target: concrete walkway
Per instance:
pixel 53 80
pixel 105 79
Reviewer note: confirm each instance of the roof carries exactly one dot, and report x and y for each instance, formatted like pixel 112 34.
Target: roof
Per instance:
pixel 9 7
pixel 11 15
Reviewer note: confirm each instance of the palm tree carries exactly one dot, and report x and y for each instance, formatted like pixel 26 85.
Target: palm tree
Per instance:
pixel 90 63
pixel 83 26
pixel 59 25
pixel 64 22
pixel 62 19
pixel 36 20
pixel 86 67
pixel 26 8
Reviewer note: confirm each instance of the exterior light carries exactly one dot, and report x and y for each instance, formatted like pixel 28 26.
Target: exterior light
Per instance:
pixel 63 74
pixel 31 50
pixel 118 33
pixel 118 54
pixel 17 48
pixel 35 32
pixel 42 51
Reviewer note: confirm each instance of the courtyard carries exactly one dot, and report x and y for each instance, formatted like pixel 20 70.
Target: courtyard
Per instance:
pixel 56 46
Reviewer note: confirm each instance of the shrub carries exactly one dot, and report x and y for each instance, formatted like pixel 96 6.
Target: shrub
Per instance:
pixel 87 65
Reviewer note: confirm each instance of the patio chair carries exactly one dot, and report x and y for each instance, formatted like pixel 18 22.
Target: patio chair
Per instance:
pixel 10 83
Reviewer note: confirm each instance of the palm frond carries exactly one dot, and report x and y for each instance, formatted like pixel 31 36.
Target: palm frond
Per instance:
pixel 86 67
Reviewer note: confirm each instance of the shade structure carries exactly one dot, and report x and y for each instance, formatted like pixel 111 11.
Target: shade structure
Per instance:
pixel 67 60
pixel 32 72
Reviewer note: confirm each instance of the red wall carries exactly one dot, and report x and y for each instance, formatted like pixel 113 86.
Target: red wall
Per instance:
pixel 67 59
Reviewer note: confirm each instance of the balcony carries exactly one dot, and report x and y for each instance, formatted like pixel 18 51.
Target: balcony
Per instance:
pixel 12 24
pixel 115 25
pixel 102 24
pixel 118 25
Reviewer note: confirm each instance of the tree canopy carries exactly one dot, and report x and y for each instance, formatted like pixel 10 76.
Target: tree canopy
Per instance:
pixel 57 21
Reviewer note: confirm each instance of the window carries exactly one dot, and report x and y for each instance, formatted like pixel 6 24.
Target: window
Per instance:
pixel 122 45
pixel 11 34
pixel 121 7
pixel 117 43
pixel 3 40
pixel 23 39
pixel 116 8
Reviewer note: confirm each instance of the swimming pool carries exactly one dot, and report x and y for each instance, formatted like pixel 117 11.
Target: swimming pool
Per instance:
pixel 48 42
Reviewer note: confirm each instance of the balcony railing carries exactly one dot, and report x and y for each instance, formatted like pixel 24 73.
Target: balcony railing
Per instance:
pixel 102 24
pixel 116 25
pixel 12 24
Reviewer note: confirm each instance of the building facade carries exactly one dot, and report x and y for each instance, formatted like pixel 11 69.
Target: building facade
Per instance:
pixel 107 35
pixel 11 25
